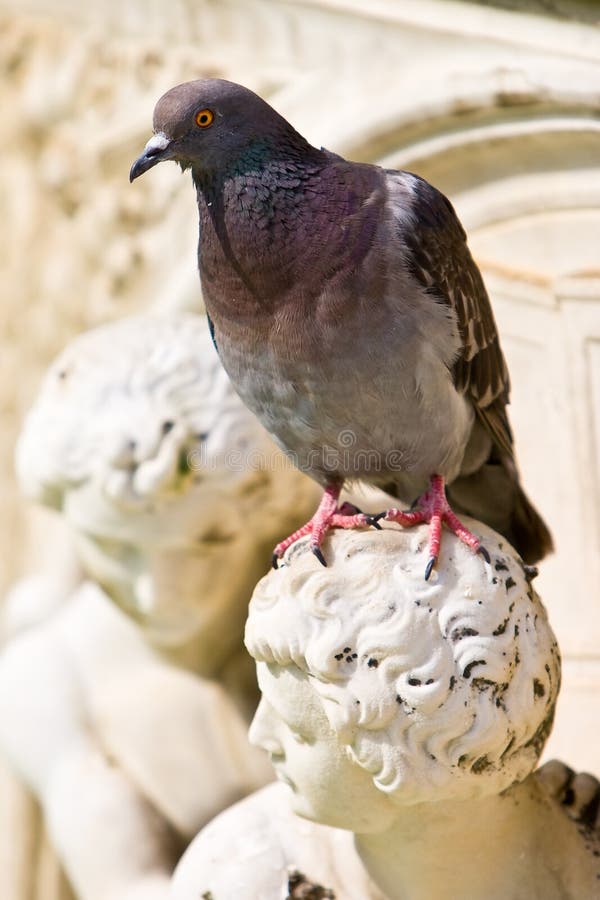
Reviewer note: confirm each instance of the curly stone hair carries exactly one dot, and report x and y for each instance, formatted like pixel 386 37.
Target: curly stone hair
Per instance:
pixel 440 689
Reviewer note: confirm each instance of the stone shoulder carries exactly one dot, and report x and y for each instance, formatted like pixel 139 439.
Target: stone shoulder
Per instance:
pixel 258 848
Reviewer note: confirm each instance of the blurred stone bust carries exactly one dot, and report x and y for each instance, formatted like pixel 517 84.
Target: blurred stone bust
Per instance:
pixel 174 493
pixel 405 719
pixel 173 496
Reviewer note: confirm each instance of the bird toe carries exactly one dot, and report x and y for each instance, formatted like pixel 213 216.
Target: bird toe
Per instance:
pixel 318 553
pixel 429 567
pixel 483 552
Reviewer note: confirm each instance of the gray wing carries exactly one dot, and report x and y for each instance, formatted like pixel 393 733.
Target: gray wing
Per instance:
pixel 439 258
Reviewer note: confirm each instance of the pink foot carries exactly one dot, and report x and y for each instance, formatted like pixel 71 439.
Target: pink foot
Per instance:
pixel 433 507
pixel 327 516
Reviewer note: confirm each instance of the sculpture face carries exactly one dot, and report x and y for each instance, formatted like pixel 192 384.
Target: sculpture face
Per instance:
pixel 156 562
pixel 159 470
pixel 308 756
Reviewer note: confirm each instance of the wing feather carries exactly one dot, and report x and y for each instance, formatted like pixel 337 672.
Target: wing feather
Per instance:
pixel 439 258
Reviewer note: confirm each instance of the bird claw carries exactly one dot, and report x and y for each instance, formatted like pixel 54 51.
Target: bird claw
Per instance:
pixel 317 552
pixel 275 561
pixel 483 552
pixel 429 567
pixel 374 520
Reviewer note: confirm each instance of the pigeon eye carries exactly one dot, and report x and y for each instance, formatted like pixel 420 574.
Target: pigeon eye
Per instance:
pixel 204 118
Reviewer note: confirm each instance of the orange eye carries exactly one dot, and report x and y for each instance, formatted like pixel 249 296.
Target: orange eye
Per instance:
pixel 204 118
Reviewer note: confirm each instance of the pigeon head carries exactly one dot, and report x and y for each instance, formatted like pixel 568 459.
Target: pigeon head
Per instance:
pixel 210 124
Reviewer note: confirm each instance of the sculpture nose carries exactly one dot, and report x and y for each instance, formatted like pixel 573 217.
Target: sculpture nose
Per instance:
pixel 262 730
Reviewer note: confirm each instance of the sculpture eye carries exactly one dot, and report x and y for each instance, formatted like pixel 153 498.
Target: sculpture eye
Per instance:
pixel 204 118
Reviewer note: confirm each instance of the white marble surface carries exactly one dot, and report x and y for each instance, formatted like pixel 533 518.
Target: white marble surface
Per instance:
pixel 109 738
pixel 163 480
pixel 404 720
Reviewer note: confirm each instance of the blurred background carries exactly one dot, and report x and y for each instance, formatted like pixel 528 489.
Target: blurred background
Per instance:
pixel 496 103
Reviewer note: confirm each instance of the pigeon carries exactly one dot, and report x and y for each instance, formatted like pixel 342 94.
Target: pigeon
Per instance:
pixel 352 320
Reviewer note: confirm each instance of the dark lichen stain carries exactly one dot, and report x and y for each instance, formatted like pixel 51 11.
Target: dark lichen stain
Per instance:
pixel 373 663
pixel 468 669
pixel 339 656
pixel 538 688
pixel 480 765
pixel 494 580
pixel 510 583
pixel 167 426
pixel 414 682
pixel 207 895
pixel 348 659
pixel 530 572
pixel 429 681
pixel 462 759
pixel 457 634
pixel 501 566
pixel 516 631
pixel 508 747
pixel 452 682
pixel 538 740
pixel 501 627
pixel 497 690
pixel 347 649
pixel 300 888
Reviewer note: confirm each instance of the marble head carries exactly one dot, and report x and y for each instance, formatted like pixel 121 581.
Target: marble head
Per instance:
pixel 435 690
pixel 162 474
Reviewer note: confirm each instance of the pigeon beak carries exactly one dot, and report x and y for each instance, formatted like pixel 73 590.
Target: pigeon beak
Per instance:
pixel 155 151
